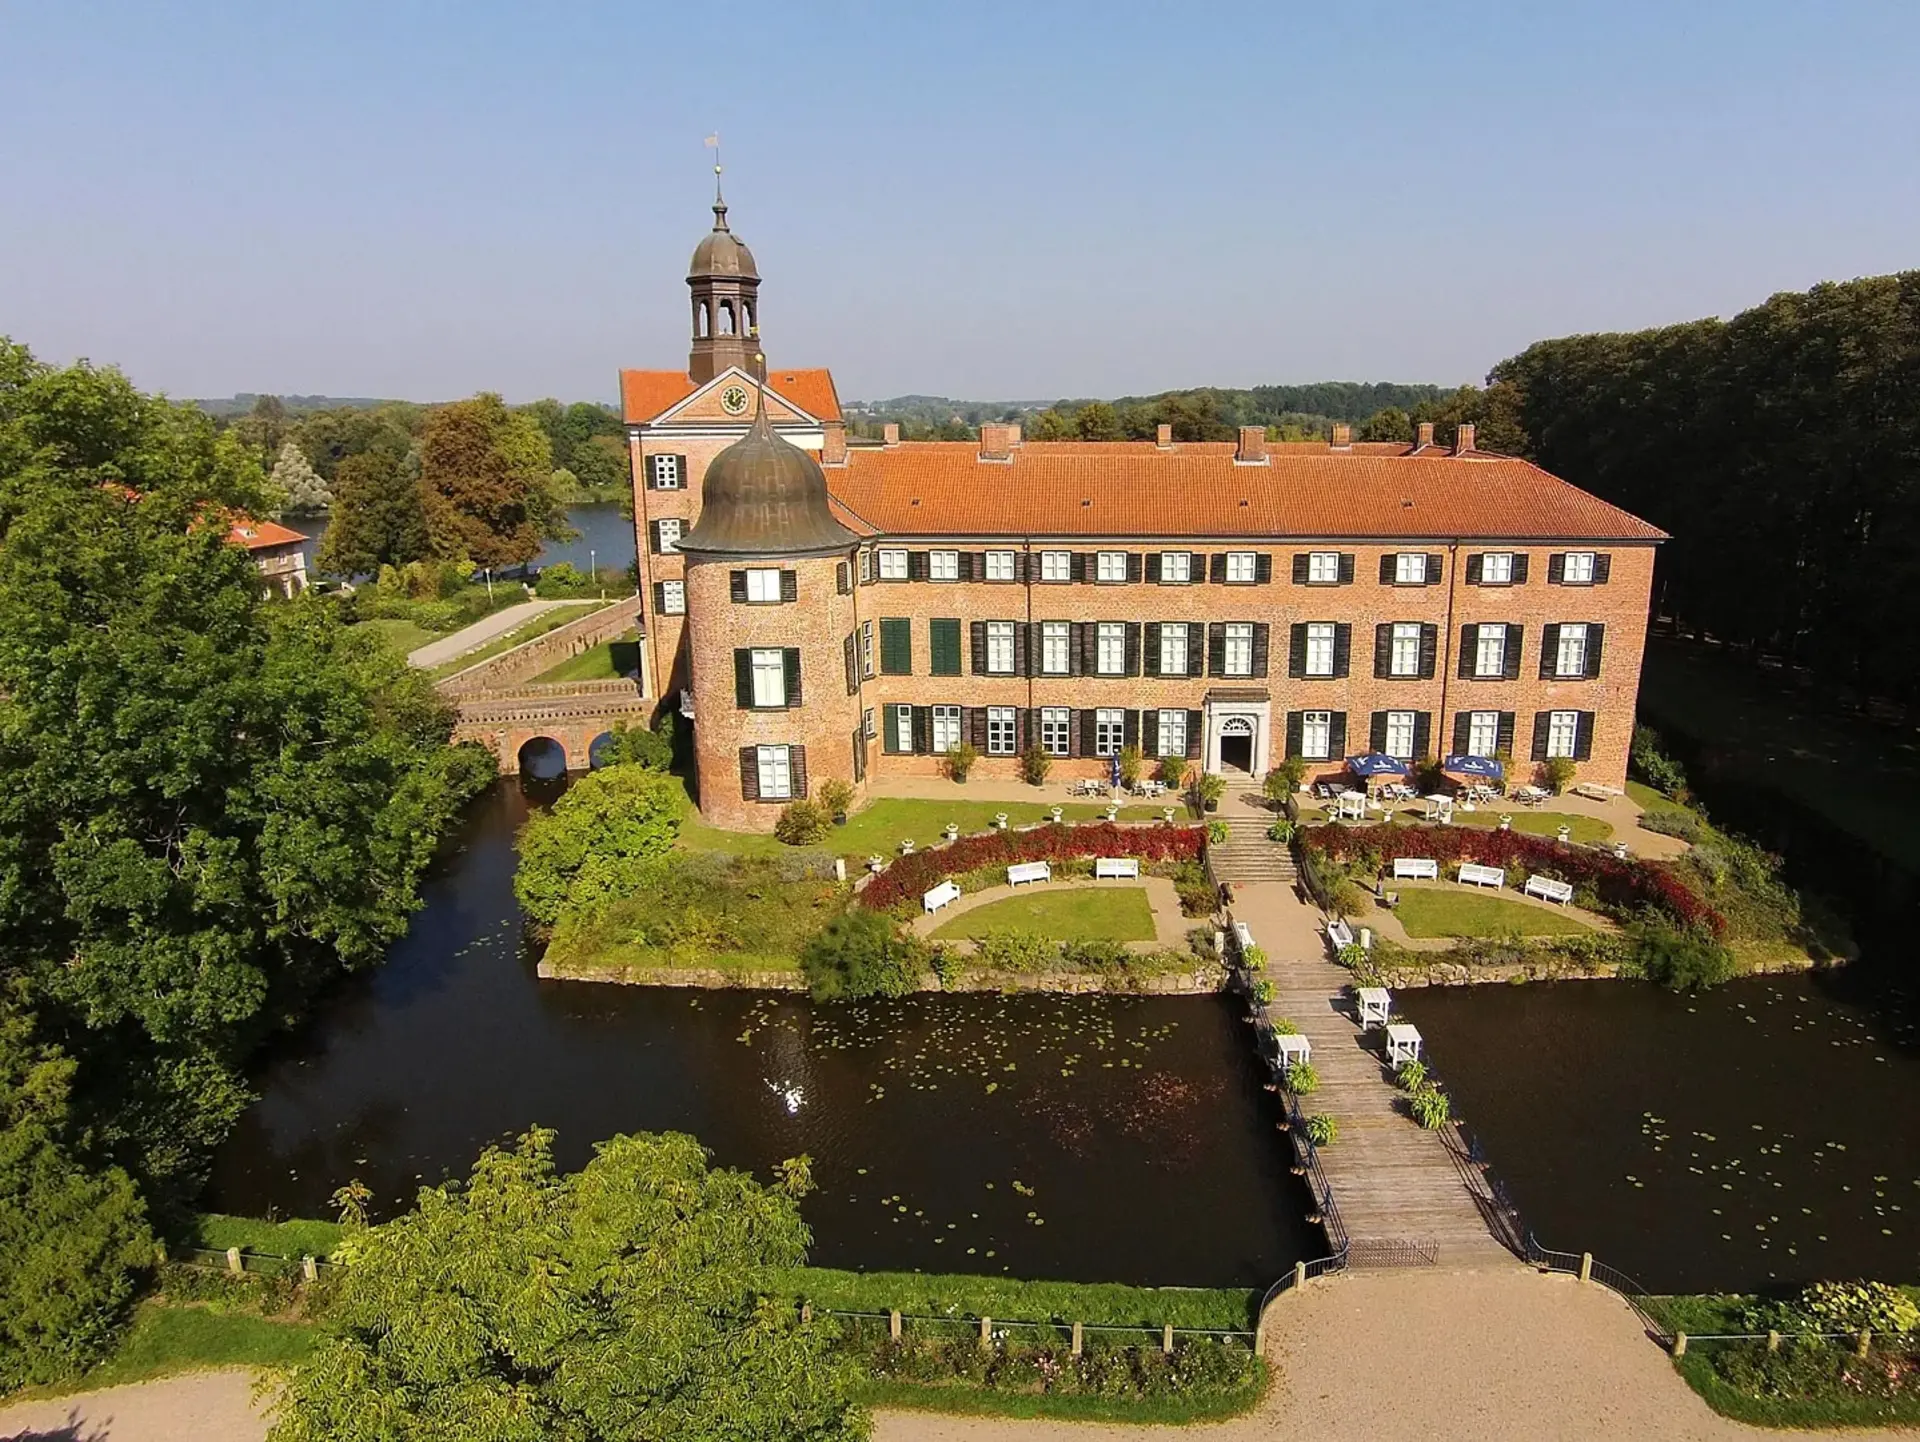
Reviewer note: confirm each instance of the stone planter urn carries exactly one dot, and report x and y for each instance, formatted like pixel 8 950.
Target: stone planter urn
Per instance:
pixel 1563 835
pixel 1057 813
pixel 1619 851
pixel 953 831
pixel 1113 813
pixel 1506 823
pixel 906 848
pixel 1167 812
pixel 1000 820
pixel 876 864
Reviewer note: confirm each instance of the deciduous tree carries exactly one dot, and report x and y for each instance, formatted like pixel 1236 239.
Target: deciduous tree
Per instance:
pixel 378 517
pixel 488 478
pixel 598 840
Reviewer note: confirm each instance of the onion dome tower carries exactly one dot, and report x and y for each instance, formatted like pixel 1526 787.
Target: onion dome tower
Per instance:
pixel 726 298
pixel 764 496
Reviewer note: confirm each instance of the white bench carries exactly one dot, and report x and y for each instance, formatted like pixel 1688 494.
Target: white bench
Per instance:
pixel 945 894
pixel 1547 889
pixel 1242 936
pixel 1339 933
pixel 1029 871
pixel 1417 868
pixel 1104 866
pixel 1474 874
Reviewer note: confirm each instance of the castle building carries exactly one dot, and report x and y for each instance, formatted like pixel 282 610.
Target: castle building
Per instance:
pixel 822 607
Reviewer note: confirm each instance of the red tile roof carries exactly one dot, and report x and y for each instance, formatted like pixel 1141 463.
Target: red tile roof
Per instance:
pixel 1068 488
pixel 259 535
pixel 645 394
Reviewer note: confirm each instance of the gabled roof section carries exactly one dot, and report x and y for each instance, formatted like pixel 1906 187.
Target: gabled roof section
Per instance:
pixel 647 396
pixel 930 488
pixel 259 535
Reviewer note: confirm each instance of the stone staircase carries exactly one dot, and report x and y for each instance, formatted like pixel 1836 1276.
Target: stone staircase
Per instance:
pixel 1246 855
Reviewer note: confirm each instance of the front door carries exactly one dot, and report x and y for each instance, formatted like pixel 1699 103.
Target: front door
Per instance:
pixel 1236 745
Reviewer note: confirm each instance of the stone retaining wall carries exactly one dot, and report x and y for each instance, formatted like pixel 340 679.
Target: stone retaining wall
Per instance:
pixel 1452 973
pixel 1203 980
pixel 544 652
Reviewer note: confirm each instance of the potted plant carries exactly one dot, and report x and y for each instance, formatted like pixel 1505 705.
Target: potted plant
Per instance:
pixel 960 759
pixel 1173 771
pixel 837 796
pixel 1035 764
pixel 1209 787
pixel 1283 781
pixel 1263 991
pixel 1130 762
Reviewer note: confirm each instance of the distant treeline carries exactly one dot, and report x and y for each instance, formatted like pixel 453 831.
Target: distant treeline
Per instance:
pixel 1781 449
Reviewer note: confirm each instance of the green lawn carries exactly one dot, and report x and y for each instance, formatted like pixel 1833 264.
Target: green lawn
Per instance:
pixel 1647 799
pixel 1095 914
pixel 539 626
pixel 1585 830
pixel 165 1339
pixel 608 661
pixel 404 636
pixel 1446 911
pixel 275 1239
pixel 970 1399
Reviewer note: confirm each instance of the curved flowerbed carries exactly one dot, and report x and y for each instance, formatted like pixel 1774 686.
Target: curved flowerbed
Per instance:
pixel 911 877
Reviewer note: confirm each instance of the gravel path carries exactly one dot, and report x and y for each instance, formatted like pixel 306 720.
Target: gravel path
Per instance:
pixel 196 1407
pixel 487 628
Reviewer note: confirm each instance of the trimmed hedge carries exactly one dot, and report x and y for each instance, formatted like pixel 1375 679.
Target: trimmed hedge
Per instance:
pixel 1626 887
pixel 911 877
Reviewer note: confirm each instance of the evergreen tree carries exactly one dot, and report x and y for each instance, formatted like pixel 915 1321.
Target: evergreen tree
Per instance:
pixel 295 478
pixel 379 516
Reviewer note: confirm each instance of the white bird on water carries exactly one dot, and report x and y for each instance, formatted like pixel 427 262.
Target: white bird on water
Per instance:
pixel 792 1095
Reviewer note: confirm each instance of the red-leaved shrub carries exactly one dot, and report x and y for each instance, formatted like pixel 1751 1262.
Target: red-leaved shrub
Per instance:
pixel 911 877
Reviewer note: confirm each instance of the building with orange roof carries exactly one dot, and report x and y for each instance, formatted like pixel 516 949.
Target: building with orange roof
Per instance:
pixel 822 606
pixel 276 550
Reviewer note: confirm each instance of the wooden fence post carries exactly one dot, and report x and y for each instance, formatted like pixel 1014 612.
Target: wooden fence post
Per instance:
pixel 986 1331
pixel 806 1313
pixel 234 1263
pixel 1679 1344
pixel 1299 1274
pixel 1586 1266
pixel 310 1269
pixel 893 1325
pixel 160 1253
pixel 1166 1339
pixel 1866 1341
pixel 1773 1341
pixel 1077 1339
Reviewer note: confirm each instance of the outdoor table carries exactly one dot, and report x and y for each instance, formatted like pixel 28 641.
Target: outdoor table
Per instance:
pixel 1376 1005
pixel 1291 1047
pixel 1403 1044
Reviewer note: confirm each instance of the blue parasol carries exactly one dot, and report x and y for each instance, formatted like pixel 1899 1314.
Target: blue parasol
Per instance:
pixel 1483 766
pixel 1374 764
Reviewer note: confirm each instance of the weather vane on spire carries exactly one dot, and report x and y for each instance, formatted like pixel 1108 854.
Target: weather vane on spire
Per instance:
pixel 713 144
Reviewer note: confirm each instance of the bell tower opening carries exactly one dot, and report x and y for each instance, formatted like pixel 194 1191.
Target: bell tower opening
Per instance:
pixel 726 298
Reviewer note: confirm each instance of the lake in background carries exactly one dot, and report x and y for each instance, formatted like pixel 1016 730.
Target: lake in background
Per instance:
pixel 605 541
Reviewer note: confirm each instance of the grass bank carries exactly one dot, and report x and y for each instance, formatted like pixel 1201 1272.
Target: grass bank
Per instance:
pixel 607 661
pixel 296 1238
pixel 941 1294
pixel 1581 830
pixel 968 1399
pixel 539 626
pixel 1435 912
pixel 1120 913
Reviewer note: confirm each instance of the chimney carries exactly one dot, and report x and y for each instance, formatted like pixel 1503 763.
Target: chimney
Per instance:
pixel 1342 436
pixel 833 443
pixel 1426 436
pixel 890 433
pixel 1463 439
pixel 1253 445
pixel 1163 436
pixel 997 442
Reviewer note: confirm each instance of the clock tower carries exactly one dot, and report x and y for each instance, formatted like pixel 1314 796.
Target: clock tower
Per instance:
pixel 726 303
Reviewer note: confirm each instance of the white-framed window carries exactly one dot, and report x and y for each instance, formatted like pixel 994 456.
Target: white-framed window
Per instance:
pixel 1056 565
pixel 1001 730
pixel 943 565
pixel 1403 658
pixel 1173 733
pixel 666 472
pixel 866 651
pixel 1316 735
pixel 673 598
pixel 1056 730
pixel 769 670
pixel 776 772
pixel 1489 653
pixel 763 584
pixel 1110 657
pixel 1570 659
pixel 1410 568
pixel 1400 735
pixel 1173 648
pixel 999 565
pixel 1056 638
pixel 1320 648
pixel 1000 647
pixel 1109 731
pixel 671 529
pixel 1577 570
pixel 1110 566
pixel 869 726
pixel 1176 567
pixel 1239 649
pixel 866 564
pixel 903 729
pixel 1563 733
pixel 1242 567
pixel 1323 568
pixel 946 729
pixel 1483 733
pixel 1496 569
pixel 893 565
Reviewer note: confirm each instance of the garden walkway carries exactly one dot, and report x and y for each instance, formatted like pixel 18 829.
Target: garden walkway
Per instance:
pixel 1393 1184
pixel 1170 928
pixel 487 628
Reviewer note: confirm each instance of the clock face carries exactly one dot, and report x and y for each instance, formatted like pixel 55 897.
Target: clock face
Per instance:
pixel 733 400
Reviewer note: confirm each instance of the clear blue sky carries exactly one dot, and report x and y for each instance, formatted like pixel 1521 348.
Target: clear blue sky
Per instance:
pixel 979 200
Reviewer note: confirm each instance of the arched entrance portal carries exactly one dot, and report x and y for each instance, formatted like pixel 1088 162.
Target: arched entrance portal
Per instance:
pixel 597 750
pixel 1236 745
pixel 543 759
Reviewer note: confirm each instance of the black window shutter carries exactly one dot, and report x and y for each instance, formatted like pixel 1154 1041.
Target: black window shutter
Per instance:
pixel 963 566
pixel 943 644
pixel 737 586
pixel 1263 568
pixel 1196 568
pixel 1346 568
pixel 1036 647
pixel 922 729
pixel 1217 571
pixel 653 537
pixel 1503 740
pixel 1337 734
pixel 1386 569
pixel 1196 722
pixel 1150 648
pixel 1429 650
pixel 1511 670
pixel 1602 568
pixel 849 647
pixel 842 581
pixel 1377 732
pixel 659 598
pixel 1542 720
pixel 750 773
pixel 1469 646
pixel 1217 647
pixel 1196 662
pixel 1134 567
pixel 1297 649
pixel 1077 566
pixel 1089 649
pixel 743 677
pixel 1556 576
pixel 896 646
pixel 1434 562
pixel 859 754
pixel 1474 568
pixel 1423 733
pixel 1022 566
pixel 977 644
pixel 1296 730
pixel 1583 736
pixel 797 770
pixel 917 565
pixel 976 730
pixel 1596 635
pixel 1549 649
pixel 1520 568
pixel 1130 728
pixel 680 469
pixel 1025 729
pixel 790 583
pixel 1260 635
pixel 1382 650
pixel 790 664
pixel 1019 649
pixel 1153 566
pixel 1342 648
pixel 1080 733
pixel 1300 564
pixel 1150 730
pixel 1131 651
pixel 890 729
pixel 1462 731
pixel 1076 647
